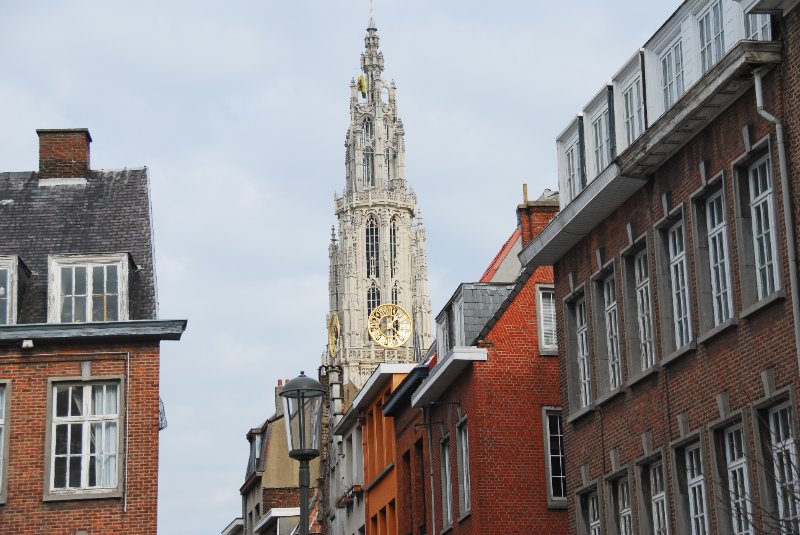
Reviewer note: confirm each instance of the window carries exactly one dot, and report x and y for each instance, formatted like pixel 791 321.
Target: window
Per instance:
pixel 763 227
pixel 634 110
pixel 672 83
pixel 447 499
pixel 547 319
pixel 602 142
pixel 680 291
pixel 88 288
pixel 612 332
pixel 368 167
pixel 387 165
pixel 373 248
pixel 395 294
pixel 464 493
pixel 785 468
pixel 695 490
pixel 584 373
pixel 716 229
pixel 458 324
pixel 643 309
pixel 593 513
pixel 373 298
pixel 757 27
pixel 9 267
pixel 623 515
pixel 738 482
pixel 366 131
pixel 84 448
pixel 658 499
pixel 554 450
pixel 574 185
pixel 712 39
pixel 393 246
pixel 386 130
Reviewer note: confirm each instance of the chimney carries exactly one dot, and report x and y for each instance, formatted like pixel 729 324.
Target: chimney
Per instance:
pixel 64 153
pixel 278 398
pixel 533 216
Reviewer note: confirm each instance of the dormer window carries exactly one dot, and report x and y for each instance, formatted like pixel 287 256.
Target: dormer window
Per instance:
pixel 88 288
pixel 712 38
pixel 9 277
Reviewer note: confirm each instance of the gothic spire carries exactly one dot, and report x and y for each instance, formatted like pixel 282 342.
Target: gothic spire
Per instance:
pixel 372 58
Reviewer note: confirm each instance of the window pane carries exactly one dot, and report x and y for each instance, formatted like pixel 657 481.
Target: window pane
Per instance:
pixel 112 286
pixel 98 282
pixel 80 280
pixel 62 437
pixel 112 307
pixel 75 438
pixel 60 473
pixel 76 401
pixel 62 401
pixel 75 465
pixel 80 309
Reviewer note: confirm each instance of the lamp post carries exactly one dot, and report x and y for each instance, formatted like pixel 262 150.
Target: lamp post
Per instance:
pixel 302 412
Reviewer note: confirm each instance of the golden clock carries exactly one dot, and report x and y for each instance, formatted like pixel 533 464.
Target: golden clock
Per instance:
pixel 389 325
pixel 334 334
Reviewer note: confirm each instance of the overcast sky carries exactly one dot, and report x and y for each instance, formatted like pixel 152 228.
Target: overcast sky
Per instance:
pixel 239 110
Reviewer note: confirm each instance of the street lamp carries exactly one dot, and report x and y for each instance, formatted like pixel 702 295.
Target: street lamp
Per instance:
pixel 302 412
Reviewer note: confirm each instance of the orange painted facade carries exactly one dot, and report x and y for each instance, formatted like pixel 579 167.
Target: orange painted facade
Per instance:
pixel 380 476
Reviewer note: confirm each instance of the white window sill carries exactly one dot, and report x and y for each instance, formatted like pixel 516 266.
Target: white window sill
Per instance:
pixel 608 396
pixel 758 305
pixel 678 353
pixel 580 413
pixel 641 376
pixel 714 331
pixel 81 494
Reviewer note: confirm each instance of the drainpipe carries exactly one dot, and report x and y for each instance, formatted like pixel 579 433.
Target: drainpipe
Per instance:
pixel 791 251
pixel 428 426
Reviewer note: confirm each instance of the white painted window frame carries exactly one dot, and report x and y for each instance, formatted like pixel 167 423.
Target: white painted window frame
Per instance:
pixel 757 26
pixel 601 139
pixel 658 499
pixel 696 490
pixel 447 491
pixel 711 35
pixel 458 322
pixel 783 452
pixel 86 420
pixel 718 258
pixel 56 262
pixel 609 288
pixel 681 309
pixel 548 336
pixel 644 309
pixel 582 353
pixel 593 510
pixel 738 479
pixel 554 457
pixel 573 174
pixel 624 515
pixel 10 264
pixel 765 253
pixel 672 73
pixel 633 110
pixel 464 489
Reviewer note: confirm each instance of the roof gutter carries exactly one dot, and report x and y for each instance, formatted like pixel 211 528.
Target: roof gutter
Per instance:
pixel 786 196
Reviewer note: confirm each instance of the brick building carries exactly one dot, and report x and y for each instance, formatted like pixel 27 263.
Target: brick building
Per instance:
pixel 675 276
pixel 481 428
pixel 79 346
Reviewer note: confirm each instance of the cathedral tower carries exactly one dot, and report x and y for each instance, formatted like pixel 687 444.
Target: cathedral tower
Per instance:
pixel 378 257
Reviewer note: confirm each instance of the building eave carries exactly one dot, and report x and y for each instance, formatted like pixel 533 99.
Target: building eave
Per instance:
pixel 404 390
pixel 700 105
pixel 115 330
pixel 273 515
pixel 443 374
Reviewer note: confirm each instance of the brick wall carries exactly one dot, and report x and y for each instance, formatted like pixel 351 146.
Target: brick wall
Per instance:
pixel 28 371
pixel 64 153
pixel 413 484
pixel 279 497
pixel 729 362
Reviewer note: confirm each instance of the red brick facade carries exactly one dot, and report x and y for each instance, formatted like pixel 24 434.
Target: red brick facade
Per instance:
pixel 501 402
pixel 727 377
pixel 27 372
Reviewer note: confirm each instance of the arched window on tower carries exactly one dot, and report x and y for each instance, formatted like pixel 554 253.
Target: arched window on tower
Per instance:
pixel 373 248
pixel 393 246
pixel 368 167
pixel 366 131
pixel 387 165
pixel 386 130
pixel 395 294
pixel 373 297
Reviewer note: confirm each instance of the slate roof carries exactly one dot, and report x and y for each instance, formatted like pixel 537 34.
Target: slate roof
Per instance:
pixel 480 301
pixel 109 214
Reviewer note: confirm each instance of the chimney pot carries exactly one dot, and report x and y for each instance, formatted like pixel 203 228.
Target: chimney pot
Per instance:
pixel 64 152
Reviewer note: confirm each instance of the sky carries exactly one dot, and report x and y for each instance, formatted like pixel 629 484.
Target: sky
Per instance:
pixel 239 110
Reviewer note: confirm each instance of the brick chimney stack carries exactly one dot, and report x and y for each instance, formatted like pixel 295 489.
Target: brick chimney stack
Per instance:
pixel 533 216
pixel 64 153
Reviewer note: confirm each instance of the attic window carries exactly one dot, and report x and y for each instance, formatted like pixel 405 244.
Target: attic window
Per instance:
pixel 9 271
pixel 88 288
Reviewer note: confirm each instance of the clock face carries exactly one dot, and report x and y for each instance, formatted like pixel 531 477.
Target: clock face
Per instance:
pixel 389 325
pixel 334 334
